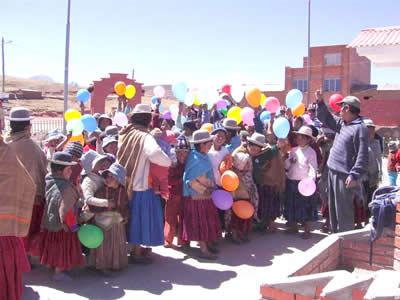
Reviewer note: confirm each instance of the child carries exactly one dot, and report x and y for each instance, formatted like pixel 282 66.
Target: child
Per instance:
pixel 301 164
pixel 76 151
pixel 112 253
pixel 174 205
pixel 54 138
pixel 391 163
pixel 200 216
pixel 109 145
pixel 61 246
pixel 158 179
pixel 269 176
pixel 243 167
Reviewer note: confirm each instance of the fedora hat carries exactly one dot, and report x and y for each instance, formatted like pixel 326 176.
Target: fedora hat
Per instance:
pixel 229 123
pixel 393 146
pixel 108 140
pixel 53 135
pixel 19 114
pixel 305 130
pixel 257 139
pixel 118 171
pixel 201 136
pixel 62 158
pixel 141 109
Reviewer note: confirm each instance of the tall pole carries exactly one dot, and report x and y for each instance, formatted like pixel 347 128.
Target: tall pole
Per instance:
pixel 66 65
pixel 309 55
pixel 2 59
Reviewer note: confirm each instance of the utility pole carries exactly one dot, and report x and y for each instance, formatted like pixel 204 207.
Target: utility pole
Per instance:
pixel 133 73
pixel 2 59
pixel 66 65
pixel 309 56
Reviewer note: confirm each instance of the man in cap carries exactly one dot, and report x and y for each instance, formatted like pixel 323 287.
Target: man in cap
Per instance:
pixel 348 159
pixel 35 162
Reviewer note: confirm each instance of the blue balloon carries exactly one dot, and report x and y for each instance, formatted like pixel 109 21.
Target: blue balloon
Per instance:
pixel 83 96
pixel 154 100
pixel 278 112
pixel 265 115
pixel 89 123
pixel 281 127
pixel 160 108
pixel 179 90
pixel 294 98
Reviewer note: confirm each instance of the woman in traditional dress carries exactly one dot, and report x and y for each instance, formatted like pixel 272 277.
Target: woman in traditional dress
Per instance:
pixel 200 216
pixel 137 148
pixel 15 217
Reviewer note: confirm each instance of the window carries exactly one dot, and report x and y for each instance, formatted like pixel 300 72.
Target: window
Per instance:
pixel 332 85
pixel 333 59
pixel 300 84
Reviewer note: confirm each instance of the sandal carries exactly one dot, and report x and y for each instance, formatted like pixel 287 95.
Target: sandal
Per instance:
pixel 306 235
pixel 208 256
pixel 213 250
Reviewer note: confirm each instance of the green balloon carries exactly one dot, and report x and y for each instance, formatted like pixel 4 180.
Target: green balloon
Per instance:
pixel 90 236
pixel 224 111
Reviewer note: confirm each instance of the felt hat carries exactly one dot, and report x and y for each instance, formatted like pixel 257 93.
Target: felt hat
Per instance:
pixel 62 158
pixel 305 130
pixel 257 139
pixel 231 124
pixel 53 135
pixel 108 140
pixel 201 136
pixel 118 171
pixel 93 135
pixel 393 146
pixel 141 109
pixel 20 114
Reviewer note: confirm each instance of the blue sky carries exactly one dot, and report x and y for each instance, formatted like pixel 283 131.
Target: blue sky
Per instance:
pixel 204 42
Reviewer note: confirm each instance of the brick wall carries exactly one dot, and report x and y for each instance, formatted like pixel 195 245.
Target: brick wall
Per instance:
pixel 396 261
pixel 356 253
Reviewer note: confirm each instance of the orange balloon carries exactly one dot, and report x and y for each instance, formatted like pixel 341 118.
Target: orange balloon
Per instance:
pixel 207 126
pixel 253 97
pixel 120 88
pixel 243 209
pixel 78 138
pixel 230 181
pixel 299 110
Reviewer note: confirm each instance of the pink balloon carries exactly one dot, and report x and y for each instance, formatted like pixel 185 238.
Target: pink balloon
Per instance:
pixel 221 104
pixel 247 115
pixel 272 104
pixel 120 119
pixel 307 187
pixel 159 91
pixel 306 118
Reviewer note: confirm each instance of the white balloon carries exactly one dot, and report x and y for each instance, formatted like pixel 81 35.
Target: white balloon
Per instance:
pixel 174 111
pixel 202 96
pixel 237 93
pixel 189 99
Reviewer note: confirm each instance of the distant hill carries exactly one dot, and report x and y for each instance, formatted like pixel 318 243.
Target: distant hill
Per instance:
pixel 42 78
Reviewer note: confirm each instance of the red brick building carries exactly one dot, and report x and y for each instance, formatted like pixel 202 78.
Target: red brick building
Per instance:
pixel 339 69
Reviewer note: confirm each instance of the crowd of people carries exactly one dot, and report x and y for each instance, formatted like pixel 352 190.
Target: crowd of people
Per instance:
pixel 153 181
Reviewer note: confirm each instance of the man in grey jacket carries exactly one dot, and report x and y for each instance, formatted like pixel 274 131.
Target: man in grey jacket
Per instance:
pixel 348 159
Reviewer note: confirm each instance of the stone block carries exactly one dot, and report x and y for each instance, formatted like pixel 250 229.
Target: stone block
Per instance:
pixel 272 293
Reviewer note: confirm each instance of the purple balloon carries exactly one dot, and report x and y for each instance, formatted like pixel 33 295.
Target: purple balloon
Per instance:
pixel 167 115
pixel 221 104
pixel 222 199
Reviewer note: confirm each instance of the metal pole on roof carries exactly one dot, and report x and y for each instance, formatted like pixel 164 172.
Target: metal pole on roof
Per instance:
pixel 66 66
pixel 309 55
pixel 2 59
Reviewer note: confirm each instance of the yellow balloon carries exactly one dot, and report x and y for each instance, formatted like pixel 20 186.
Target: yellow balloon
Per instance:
pixel 120 88
pixel 263 97
pixel 234 113
pixel 130 91
pixel 196 102
pixel 72 114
